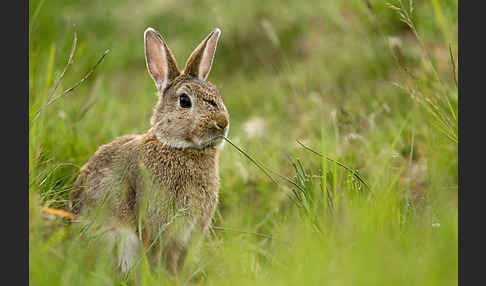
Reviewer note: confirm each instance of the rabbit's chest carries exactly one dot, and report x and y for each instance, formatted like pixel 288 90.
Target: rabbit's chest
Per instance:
pixel 178 211
pixel 178 194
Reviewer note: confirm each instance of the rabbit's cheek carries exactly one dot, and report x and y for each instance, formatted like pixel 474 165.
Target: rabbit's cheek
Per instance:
pixel 198 131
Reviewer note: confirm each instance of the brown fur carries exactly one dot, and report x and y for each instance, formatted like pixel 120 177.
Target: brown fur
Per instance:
pixel 168 177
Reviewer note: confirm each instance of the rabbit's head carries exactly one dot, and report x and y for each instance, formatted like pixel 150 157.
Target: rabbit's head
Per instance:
pixel 190 112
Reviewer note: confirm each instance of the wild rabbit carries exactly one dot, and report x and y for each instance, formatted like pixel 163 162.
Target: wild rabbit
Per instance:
pixel 161 186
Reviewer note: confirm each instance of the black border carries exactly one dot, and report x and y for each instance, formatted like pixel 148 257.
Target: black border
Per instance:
pixel 471 159
pixel 15 140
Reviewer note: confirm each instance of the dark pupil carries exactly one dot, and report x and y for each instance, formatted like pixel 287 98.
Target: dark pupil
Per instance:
pixel 185 101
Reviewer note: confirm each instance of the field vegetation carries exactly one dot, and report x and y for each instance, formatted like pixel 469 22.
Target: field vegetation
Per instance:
pixel 349 109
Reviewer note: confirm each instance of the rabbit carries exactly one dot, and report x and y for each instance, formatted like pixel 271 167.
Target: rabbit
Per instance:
pixel 167 179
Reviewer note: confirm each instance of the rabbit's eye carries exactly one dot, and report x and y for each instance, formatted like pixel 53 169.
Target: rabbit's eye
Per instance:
pixel 184 101
pixel 211 102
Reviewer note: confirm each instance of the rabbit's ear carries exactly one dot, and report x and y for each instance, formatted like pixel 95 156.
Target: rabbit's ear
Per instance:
pixel 201 59
pixel 161 63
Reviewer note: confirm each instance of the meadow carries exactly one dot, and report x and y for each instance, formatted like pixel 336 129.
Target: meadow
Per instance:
pixel 368 88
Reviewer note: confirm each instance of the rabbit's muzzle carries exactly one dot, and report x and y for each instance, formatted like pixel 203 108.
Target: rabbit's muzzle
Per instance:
pixel 220 121
pixel 218 128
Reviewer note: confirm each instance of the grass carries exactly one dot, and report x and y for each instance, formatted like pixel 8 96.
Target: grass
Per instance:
pixel 371 85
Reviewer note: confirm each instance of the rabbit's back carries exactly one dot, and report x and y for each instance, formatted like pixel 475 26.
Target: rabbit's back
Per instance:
pixel 109 175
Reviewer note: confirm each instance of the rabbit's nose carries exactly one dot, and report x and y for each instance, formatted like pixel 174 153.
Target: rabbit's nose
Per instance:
pixel 221 121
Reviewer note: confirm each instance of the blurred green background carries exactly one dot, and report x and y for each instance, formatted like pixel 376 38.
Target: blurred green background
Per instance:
pixel 371 84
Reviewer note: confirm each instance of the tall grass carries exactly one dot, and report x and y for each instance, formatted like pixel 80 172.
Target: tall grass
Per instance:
pixel 438 98
pixel 341 167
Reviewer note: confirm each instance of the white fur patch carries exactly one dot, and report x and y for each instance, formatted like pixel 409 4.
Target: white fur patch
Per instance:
pixel 221 144
pixel 200 144
pixel 181 144
pixel 128 250
pixel 186 235
pixel 175 143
